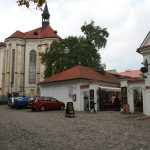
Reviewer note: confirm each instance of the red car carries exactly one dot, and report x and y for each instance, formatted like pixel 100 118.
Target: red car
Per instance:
pixel 44 103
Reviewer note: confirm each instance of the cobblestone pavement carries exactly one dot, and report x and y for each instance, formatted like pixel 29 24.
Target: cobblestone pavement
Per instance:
pixel 51 130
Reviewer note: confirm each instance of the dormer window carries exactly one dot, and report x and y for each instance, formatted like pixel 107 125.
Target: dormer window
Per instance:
pixel 35 33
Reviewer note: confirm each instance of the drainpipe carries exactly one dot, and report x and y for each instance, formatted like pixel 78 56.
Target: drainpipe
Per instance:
pixel 24 68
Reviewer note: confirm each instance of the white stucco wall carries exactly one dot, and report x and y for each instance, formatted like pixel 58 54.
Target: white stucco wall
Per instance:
pixel 140 86
pixel 146 56
pixel 63 91
pixel 95 86
pixel 131 86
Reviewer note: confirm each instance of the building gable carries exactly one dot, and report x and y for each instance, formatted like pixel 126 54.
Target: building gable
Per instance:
pixel 145 43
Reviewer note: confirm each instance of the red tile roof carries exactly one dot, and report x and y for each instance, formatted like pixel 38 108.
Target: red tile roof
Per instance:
pixel 47 32
pixel 17 34
pixel 136 80
pixel 81 72
pixel 2 44
pixel 131 73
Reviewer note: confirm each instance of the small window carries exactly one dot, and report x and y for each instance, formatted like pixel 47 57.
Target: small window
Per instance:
pixel 35 33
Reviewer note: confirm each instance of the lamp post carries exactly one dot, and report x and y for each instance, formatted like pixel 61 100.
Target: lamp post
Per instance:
pixel 11 89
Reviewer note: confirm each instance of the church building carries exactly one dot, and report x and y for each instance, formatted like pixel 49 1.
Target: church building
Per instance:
pixel 20 66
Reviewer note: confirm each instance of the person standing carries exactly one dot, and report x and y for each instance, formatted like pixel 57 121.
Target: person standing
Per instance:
pixel 117 103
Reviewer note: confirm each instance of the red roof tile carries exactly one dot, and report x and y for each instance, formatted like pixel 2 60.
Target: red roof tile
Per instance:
pixel 80 72
pixel 131 73
pixel 47 32
pixel 17 34
pixel 2 44
pixel 136 80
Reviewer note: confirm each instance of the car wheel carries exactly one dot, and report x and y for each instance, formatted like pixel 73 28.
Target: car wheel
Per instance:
pixel 25 106
pixel 62 107
pixel 42 108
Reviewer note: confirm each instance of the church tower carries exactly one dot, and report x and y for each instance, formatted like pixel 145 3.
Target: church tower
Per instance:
pixel 45 17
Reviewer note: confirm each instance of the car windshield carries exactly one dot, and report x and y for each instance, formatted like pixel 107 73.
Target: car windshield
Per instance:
pixel 32 99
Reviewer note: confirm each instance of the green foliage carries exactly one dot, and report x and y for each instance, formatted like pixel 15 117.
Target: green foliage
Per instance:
pixel 71 51
pixel 95 35
pixel 27 3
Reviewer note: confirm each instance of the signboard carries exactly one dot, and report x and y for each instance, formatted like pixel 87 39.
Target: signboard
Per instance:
pixel 124 95
pixel 147 87
pixel 70 110
pixel 91 94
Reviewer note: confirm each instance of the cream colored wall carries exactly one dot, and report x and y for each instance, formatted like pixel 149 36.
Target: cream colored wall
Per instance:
pixel 20 46
pixel 39 45
pixel 1 70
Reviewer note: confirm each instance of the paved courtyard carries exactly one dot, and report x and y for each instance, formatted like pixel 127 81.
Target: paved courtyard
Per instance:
pixel 51 130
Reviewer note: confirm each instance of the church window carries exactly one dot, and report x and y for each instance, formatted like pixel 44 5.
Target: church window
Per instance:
pixel 13 66
pixel 32 67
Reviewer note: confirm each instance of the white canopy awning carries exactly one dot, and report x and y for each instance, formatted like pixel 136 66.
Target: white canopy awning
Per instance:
pixel 115 89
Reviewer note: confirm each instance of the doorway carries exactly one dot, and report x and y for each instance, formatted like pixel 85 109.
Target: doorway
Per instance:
pixel 86 100
pixel 138 100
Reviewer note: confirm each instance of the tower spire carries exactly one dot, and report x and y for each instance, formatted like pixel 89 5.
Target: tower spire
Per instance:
pixel 45 17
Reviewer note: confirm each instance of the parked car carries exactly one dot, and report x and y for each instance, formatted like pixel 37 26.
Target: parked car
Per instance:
pixel 21 102
pixel 3 100
pixel 12 100
pixel 44 103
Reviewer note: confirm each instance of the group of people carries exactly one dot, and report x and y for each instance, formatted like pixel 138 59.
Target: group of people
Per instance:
pixel 115 100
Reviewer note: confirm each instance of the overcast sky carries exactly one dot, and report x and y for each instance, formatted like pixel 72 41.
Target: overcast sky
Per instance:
pixel 127 21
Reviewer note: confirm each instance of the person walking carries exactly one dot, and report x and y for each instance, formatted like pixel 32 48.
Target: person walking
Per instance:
pixel 92 106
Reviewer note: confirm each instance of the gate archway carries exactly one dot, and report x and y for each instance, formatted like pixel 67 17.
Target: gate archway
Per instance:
pixel 136 99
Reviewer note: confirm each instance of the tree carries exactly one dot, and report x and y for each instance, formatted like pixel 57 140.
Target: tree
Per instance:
pixel 27 3
pixel 95 35
pixel 71 51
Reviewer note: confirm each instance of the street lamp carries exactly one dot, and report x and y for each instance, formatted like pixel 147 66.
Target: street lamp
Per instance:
pixel 145 68
pixel 11 88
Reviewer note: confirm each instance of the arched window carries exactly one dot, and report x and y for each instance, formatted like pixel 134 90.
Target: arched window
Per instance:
pixel 32 67
pixel 13 66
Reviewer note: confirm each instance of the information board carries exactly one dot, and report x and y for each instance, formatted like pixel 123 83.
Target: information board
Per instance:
pixel 124 95
pixel 70 110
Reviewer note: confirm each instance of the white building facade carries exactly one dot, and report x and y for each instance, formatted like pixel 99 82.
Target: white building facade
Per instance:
pixel 144 50
pixel 139 88
pixel 79 85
